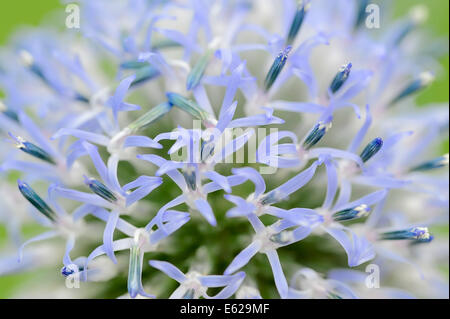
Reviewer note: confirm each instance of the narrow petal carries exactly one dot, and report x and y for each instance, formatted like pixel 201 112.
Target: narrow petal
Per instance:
pixel 121 225
pixel 280 279
pixel 108 235
pixel 316 152
pixel 141 141
pixel 243 258
pixel 256 120
pixel 170 228
pixel 97 160
pixel 175 175
pixel 169 269
pixel 202 98
pixel 43 236
pixel 300 233
pixel 219 179
pixel 356 143
pixel 83 211
pixel 83 135
pixel 69 246
pixel 82 197
pixel 233 146
pixel 41 169
pixel 117 245
pixel 358 249
pixel 253 175
pixel 296 182
pixel 381 181
pixel 205 209
pixel 368 200
pixel 217 280
pixel 112 180
pixel 145 189
pixel 298 107
pixel 158 219
pixel 332 184
pixel 232 284
pixel 344 193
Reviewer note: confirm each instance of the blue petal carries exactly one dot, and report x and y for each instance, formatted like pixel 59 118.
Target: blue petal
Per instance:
pixel 109 233
pixel 256 120
pixel 205 209
pixel 368 200
pixel 332 183
pixel 202 98
pixel 316 152
pixel 219 179
pixel 243 258
pixel 232 284
pixel 82 197
pixel 232 146
pixel 43 236
pixel 226 116
pixel 117 245
pixel 84 135
pixel 112 180
pixel 359 250
pixel 280 279
pixel 97 161
pixel 141 141
pixel 356 143
pixel 169 269
pixel 256 178
pixel 69 246
pixel 121 225
pixel 175 175
pixel 298 107
pixel 147 185
pixel 296 182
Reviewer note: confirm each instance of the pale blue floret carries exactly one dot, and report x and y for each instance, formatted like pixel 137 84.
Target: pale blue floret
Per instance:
pixel 194 285
pixel 109 193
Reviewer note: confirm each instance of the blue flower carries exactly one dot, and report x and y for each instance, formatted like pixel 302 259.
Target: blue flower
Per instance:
pixel 194 285
pixel 140 241
pixel 268 239
pixel 109 194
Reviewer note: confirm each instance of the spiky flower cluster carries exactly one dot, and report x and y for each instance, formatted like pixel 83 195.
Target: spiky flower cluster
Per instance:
pixel 181 138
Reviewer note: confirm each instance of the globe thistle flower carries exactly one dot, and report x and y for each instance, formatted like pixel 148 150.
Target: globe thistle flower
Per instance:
pixel 169 129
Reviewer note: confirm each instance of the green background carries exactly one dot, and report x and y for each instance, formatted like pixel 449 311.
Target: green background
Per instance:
pixel 18 13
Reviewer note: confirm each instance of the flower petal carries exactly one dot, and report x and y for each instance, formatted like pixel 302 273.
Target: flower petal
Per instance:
pixel 243 258
pixel 205 209
pixel 280 279
pixel 169 269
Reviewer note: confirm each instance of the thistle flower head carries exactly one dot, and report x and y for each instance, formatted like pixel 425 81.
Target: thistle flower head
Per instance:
pixel 199 132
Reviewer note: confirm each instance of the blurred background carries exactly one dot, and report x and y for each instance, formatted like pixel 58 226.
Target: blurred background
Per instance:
pixel 18 14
